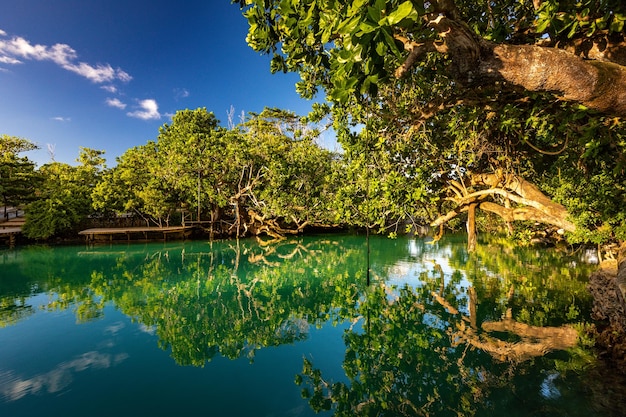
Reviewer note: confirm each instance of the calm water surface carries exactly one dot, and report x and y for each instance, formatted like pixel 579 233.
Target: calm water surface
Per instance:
pixel 292 329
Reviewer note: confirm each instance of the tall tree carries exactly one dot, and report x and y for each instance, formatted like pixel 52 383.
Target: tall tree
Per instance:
pixel 134 186
pixel 18 178
pixel 191 159
pixel 575 49
pixel 293 174
pixel 64 198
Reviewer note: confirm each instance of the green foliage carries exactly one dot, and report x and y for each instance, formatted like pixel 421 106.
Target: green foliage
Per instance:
pixel 64 197
pixel 296 173
pixel 18 178
pixel 134 187
pixel 340 46
pixel 580 19
pixel 590 180
pixel 269 166
pixel 13 145
pixel 52 217
pixel 191 160
pixel 350 48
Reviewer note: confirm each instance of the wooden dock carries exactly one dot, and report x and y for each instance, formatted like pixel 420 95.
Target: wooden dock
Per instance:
pixel 132 233
pixel 9 229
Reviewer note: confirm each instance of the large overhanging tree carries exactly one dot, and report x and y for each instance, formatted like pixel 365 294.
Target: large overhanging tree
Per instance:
pixel 574 49
pixel 504 102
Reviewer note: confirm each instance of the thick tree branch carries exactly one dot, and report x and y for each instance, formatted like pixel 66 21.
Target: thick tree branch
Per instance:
pixel 536 205
pixel 504 193
pixel 415 50
pixel 449 216
pixel 516 184
pixel 527 214
pixel 597 85
pixel 599 49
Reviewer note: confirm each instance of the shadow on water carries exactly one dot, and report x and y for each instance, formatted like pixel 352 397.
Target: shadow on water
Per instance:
pixel 438 332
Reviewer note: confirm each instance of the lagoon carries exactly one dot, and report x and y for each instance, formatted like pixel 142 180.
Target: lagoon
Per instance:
pixel 245 328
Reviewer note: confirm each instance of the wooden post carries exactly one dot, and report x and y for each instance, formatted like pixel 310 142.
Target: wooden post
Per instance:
pixel 621 271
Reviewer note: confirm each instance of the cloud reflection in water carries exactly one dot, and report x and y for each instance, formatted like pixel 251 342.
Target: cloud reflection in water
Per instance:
pixel 13 387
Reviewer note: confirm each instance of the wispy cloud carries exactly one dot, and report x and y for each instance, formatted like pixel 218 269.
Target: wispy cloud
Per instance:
pixel 61 119
pixel 114 102
pixel 180 93
pixel 9 60
pixel 148 110
pixel 17 49
pixel 110 88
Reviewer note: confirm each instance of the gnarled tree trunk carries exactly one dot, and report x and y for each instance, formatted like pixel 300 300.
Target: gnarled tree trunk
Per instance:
pixel 502 189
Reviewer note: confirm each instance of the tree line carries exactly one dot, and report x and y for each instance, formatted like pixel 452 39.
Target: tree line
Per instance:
pixel 267 175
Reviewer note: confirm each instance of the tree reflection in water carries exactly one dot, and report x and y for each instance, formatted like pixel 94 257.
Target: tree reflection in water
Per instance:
pixel 468 335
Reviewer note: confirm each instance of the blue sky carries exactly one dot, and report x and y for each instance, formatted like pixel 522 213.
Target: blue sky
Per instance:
pixel 106 74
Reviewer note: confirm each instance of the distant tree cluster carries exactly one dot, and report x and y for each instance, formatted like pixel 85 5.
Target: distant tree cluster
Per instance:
pixel 266 175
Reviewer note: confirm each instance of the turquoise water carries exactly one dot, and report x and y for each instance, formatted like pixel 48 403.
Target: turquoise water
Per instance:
pixel 290 329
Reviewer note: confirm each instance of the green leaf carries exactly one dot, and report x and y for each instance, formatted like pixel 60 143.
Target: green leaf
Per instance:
pixel 543 22
pixel 572 31
pixel 375 12
pixel 349 25
pixel 403 11
pixel 391 42
pixel 357 5
pixel 616 25
pixel 381 48
pixel 368 26
pixel 277 64
pixel 344 56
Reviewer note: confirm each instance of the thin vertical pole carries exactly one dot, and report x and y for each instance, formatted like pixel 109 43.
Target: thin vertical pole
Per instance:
pixel 198 215
pixel 367 203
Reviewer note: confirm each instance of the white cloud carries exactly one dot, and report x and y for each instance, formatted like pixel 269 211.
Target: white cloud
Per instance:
pixel 114 102
pixel 2 33
pixel 9 60
pixel 62 119
pixel 110 88
pixel 98 74
pixel 148 110
pixel 16 49
pixel 123 76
